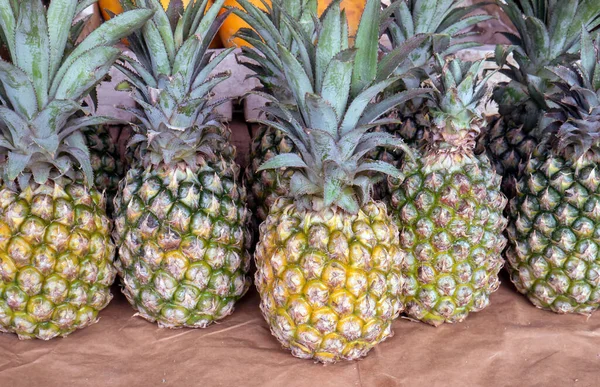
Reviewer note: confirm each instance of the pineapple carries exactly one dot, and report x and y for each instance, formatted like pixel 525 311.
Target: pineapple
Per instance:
pixel 180 213
pixel 328 263
pixel 110 157
pixel 55 248
pixel 553 256
pixel 547 35
pixel 265 186
pixel 447 22
pixel 449 207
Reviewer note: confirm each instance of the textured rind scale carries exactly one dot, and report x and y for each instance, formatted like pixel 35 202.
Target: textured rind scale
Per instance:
pixel 183 242
pixel 451 227
pixel 109 161
pixel 266 186
pixel 55 259
pixel 329 281
pixel 554 257
pixel 508 146
pixel 415 122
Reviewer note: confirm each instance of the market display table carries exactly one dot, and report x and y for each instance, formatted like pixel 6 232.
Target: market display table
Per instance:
pixel 510 343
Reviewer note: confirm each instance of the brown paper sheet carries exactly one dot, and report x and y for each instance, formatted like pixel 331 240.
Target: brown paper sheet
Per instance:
pixel 510 343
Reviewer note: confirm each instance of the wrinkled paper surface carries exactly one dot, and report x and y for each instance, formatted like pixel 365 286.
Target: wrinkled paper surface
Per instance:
pixel 510 343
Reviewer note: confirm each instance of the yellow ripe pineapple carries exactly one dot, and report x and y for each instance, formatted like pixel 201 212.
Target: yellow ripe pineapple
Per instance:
pixel 328 262
pixel 55 247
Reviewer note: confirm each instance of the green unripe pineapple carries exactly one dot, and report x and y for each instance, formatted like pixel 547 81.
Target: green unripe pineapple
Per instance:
pixel 181 222
pixel 110 157
pixel 554 256
pixel 449 206
pixel 547 35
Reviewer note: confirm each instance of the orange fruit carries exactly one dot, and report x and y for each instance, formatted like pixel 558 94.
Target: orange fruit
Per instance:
pixel 115 7
pixel 165 3
pixel 233 23
pixel 354 10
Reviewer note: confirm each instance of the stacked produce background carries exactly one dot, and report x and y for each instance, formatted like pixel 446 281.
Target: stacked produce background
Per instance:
pixel 377 186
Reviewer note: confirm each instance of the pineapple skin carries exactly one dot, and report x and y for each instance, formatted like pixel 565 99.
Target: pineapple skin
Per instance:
pixel 110 157
pixel 329 281
pixel 451 225
pixel 508 145
pixel 264 187
pixel 415 123
pixel 183 241
pixel 553 256
pixel 56 266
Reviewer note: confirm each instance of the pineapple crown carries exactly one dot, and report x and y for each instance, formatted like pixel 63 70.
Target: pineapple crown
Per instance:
pixel 335 89
pixel 43 88
pixel 172 80
pixel 546 36
pixel 459 90
pixel 265 62
pixel 447 21
pixel 574 127
pixel 275 29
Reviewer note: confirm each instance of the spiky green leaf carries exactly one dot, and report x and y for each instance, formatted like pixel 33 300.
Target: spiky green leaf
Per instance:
pixel 358 105
pixel 76 147
pixel 41 172
pixel 32 47
pixel 380 167
pixel 336 82
pixel 299 82
pixel 378 109
pixel 58 30
pixel 284 160
pixel 109 33
pixel 588 54
pixel 301 185
pixel 163 25
pixel 17 162
pixel 86 72
pixel 348 201
pixel 210 66
pixel 161 63
pixel 334 183
pixel 7 24
pixel 54 116
pixel 397 56
pixel 321 115
pixel 367 44
pixel 329 41
pixel 16 125
pixel 19 89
